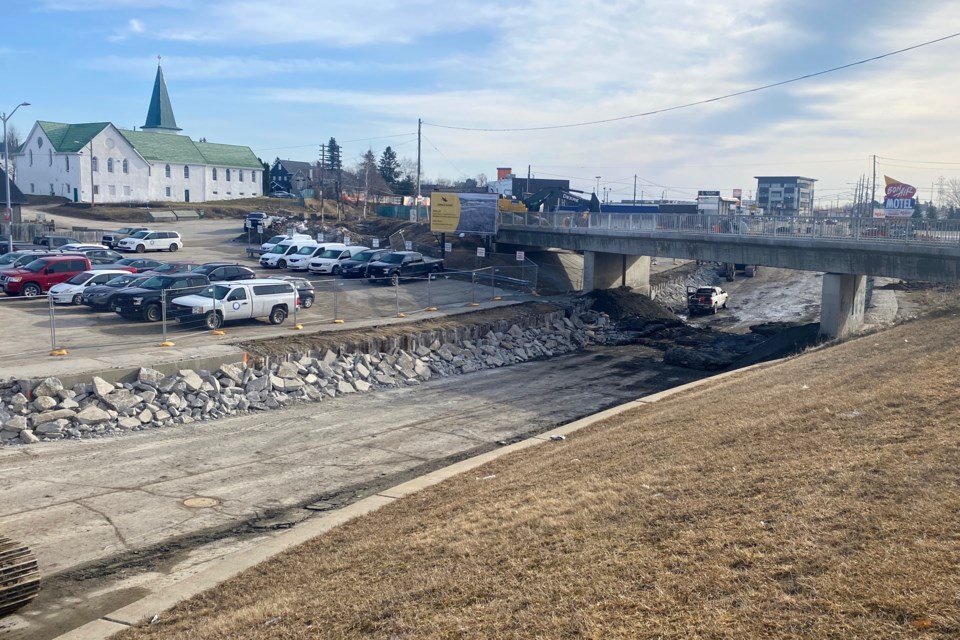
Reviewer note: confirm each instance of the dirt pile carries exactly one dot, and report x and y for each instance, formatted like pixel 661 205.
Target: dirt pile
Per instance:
pixel 623 302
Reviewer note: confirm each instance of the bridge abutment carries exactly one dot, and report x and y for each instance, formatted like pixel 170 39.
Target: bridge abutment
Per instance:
pixel 611 270
pixel 842 304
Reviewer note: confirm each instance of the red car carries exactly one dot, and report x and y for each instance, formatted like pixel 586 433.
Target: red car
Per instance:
pixel 38 276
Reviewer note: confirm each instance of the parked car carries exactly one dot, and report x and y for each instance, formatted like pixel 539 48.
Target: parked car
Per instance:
pixel 151 241
pixel 18 245
pixel 225 301
pixel 71 291
pixel 304 287
pixel 22 257
pixel 356 266
pixel 54 242
pixel 300 261
pixel 38 276
pixel 278 256
pixel 111 239
pixel 101 255
pixel 397 265
pixel 329 261
pixel 275 240
pixel 100 297
pixel 80 246
pixel 145 302
pixel 139 264
pixel 224 271
pixel 706 299
pixel 257 220
pixel 283 194
pixel 176 266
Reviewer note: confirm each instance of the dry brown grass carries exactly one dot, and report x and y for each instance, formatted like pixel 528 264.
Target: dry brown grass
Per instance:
pixel 816 498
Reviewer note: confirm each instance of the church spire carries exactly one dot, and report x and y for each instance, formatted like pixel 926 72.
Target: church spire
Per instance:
pixel 160 115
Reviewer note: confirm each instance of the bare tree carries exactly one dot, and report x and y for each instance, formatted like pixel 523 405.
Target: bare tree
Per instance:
pixel 481 179
pixel 951 193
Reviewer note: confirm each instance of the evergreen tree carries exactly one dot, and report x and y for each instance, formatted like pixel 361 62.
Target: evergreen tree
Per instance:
pixel 389 166
pixel 334 160
pixel 917 211
pixel 932 213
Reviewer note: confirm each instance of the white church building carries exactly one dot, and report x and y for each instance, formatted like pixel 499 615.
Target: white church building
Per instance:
pixel 98 162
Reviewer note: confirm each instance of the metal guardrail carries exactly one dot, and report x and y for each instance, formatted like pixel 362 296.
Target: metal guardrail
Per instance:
pixel 887 230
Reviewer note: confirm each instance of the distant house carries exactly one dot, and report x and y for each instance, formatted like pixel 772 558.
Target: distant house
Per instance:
pixel 99 162
pixel 293 176
pixel 16 197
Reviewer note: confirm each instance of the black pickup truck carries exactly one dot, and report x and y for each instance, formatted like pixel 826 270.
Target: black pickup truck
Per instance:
pixel 146 301
pixel 402 264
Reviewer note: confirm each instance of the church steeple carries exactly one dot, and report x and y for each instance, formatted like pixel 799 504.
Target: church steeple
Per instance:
pixel 160 115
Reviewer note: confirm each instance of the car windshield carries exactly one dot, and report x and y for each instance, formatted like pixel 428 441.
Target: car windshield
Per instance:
pixel 139 234
pixel 365 256
pixel 204 269
pixel 119 281
pixel 275 240
pixel 705 291
pixel 256 214
pixel 305 251
pixel 10 258
pixel 170 267
pixel 393 258
pixel 331 253
pixel 157 282
pixel 280 248
pixel 80 278
pixel 35 266
pixel 217 292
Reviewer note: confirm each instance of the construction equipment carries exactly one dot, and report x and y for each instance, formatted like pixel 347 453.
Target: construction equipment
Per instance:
pixel 730 270
pixel 566 200
pixel 19 576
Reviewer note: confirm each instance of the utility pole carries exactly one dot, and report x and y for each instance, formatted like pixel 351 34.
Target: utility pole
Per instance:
pixel 8 212
pixel 528 179
pixel 419 126
pixel 323 166
pixel 634 188
pixel 873 186
pixel 366 188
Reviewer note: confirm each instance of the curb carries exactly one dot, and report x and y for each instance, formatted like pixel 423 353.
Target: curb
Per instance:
pixel 226 567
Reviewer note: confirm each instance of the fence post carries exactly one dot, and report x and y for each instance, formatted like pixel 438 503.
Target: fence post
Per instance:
pixel 296 298
pixel 336 294
pixel 493 285
pixel 473 288
pixel 163 314
pixel 429 292
pixel 53 324
pixel 396 289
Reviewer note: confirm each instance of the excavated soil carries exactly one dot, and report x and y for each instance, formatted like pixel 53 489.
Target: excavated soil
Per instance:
pixel 623 302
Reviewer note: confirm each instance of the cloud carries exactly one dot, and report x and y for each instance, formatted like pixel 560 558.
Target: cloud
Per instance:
pixel 133 27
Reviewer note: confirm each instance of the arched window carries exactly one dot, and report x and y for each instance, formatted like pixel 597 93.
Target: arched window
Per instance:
pixel 67 160
pixel 109 165
pixel 240 175
pixel 253 176
pixel 94 164
pixel 186 171
pixel 50 151
pixel 31 157
pixel 228 175
pixel 167 171
pixel 214 173
pixel 126 166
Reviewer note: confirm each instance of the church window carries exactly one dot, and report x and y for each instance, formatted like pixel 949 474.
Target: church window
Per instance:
pixel 126 166
pixel 253 176
pixel 94 164
pixel 186 171
pixel 31 157
pixel 228 175
pixel 96 189
pixel 51 156
pixel 240 175
pixel 214 173
pixel 168 192
pixel 67 160
pixel 109 165
pixel 39 142
pixel 167 172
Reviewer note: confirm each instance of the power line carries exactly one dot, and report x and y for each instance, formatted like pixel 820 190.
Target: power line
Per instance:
pixel 918 161
pixel 700 102
pixel 317 144
pixel 449 161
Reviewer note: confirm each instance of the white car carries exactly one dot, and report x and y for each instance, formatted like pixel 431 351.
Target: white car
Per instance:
pixel 82 247
pixel 300 261
pixel 277 257
pixel 275 240
pixel 151 241
pixel 71 291
pixel 237 300
pixel 329 261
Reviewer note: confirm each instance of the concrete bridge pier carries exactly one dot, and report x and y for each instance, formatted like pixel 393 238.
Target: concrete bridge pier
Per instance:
pixel 611 270
pixel 842 304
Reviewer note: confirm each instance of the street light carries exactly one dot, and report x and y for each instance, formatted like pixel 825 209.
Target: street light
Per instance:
pixel 7 215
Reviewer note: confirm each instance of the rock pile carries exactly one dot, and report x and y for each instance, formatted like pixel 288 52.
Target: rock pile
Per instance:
pixel 49 411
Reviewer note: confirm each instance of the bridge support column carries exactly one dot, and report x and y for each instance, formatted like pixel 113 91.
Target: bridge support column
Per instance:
pixel 842 304
pixel 611 270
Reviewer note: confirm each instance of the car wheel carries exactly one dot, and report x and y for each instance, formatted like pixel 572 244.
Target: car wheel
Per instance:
pixel 307 303
pixel 278 315
pixel 281 264
pixel 141 248
pixel 395 280
pixel 30 290
pixel 213 320
pixel 174 247
pixel 713 310
pixel 77 299
pixel 152 313
pixel 335 270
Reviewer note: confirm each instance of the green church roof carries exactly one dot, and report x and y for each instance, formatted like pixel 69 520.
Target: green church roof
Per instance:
pixel 160 113
pixel 70 138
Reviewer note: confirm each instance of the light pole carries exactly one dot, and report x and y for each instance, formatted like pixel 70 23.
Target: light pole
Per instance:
pixel 91 171
pixel 598 186
pixel 7 213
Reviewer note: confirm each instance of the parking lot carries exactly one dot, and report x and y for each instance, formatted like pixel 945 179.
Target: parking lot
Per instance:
pixel 83 332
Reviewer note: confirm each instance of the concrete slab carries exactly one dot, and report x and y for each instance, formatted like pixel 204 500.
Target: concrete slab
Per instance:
pixel 186 214
pixel 161 216
pixel 95 630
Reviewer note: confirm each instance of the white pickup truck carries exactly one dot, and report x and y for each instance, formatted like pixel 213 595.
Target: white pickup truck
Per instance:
pixel 238 300
pixel 706 299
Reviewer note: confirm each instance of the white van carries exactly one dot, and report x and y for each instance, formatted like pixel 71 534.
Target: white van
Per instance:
pixel 275 240
pixel 329 261
pixel 241 299
pixel 301 261
pixel 151 241
pixel 277 257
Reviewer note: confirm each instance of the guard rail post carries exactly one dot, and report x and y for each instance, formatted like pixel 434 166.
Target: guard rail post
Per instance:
pixel 429 292
pixel 163 313
pixel 473 287
pixel 53 324
pixel 336 295
pixel 493 285
pixel 396 290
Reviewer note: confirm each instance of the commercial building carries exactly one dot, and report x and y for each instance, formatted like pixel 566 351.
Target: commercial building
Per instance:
pixel 785 195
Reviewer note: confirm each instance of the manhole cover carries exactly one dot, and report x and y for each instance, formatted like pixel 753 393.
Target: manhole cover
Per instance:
pixel 199 502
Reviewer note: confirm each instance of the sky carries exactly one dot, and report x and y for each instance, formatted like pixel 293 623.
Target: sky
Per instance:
pixel 284 78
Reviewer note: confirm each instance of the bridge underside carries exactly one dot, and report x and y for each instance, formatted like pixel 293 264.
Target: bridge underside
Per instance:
pixel 611 270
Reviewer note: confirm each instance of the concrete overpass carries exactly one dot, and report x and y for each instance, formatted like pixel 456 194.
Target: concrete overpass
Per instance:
pixel 617 249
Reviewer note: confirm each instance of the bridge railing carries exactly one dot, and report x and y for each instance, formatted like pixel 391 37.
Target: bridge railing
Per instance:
pixel 890 230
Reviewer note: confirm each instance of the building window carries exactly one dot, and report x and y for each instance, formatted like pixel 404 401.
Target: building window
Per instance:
pixel 94 164
pixel 214 173
pixel 126 190
pixel 67 160
pixel 126 166
pixel 253 176
pixel 167 173
pixel 214 193
pixel 113 189
pixel 52 192
pixel 240 175
pixel 66 188
pixel 31 157
pixel 96 189
pixel 50 153
pixel 109 165
pixel 168 192
pixel 186 171
pixel 32 190
pixel 228 175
